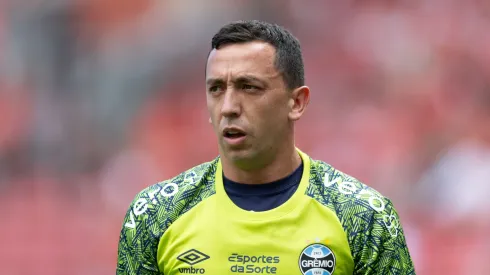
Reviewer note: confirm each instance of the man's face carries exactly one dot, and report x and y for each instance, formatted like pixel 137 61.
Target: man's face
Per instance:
pixel 247 101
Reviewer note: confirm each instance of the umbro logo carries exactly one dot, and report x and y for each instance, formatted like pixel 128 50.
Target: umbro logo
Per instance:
pixel 192 257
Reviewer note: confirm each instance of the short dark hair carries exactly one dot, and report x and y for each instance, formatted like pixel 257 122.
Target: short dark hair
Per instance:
pixel 288 59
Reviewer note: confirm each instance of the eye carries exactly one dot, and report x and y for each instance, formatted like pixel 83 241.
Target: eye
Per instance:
pixel 213 89
pixel 249 87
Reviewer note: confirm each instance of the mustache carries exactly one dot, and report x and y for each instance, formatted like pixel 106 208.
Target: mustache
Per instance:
pixel 231 123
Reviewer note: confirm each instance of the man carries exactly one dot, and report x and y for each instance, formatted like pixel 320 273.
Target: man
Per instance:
pixel 262 206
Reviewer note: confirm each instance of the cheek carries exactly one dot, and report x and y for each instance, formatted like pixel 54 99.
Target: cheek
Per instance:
pixel 212 108
pixel 213 118
pixel 277 109
pixel 272 118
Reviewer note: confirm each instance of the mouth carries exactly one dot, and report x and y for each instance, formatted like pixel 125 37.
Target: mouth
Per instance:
pixel 233 135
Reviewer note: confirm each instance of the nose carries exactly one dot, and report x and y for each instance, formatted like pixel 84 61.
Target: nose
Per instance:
pixel 231 104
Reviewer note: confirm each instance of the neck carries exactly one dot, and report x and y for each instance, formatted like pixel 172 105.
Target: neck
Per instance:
pixel 280 166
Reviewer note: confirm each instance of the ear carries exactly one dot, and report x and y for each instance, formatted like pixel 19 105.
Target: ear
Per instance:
pixel 300 97
pixel 210 121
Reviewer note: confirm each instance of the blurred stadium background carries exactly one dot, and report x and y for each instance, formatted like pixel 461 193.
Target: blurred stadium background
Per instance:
pixel 101 98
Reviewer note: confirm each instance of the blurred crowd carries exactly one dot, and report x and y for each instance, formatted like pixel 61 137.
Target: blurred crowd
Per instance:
pixel 101 98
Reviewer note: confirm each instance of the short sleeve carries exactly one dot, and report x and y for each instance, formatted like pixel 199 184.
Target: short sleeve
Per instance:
pixel 137 249
pixel 382 247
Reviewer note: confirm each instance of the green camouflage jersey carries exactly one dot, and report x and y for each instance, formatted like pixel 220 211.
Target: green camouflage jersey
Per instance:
pixel 332 224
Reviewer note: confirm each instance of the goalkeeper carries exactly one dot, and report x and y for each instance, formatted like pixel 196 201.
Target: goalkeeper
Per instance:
pixel 263 206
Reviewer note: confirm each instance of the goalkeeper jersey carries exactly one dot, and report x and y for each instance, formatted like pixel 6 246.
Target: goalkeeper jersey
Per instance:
pixel 332 224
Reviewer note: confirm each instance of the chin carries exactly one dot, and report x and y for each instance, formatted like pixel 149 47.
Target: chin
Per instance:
pixel 235 154
pixel 245 159
pixel 239 155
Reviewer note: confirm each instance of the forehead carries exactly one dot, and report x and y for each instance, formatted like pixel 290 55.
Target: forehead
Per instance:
pixel 251 58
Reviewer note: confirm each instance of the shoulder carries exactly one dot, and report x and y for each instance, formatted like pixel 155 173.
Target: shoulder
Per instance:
pixel 370 221
pixel 162 203
pixel 356 204
pixel 328 181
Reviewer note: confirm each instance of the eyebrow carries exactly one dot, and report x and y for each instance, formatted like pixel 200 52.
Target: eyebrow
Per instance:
pixel 212 81
pixel 243 78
